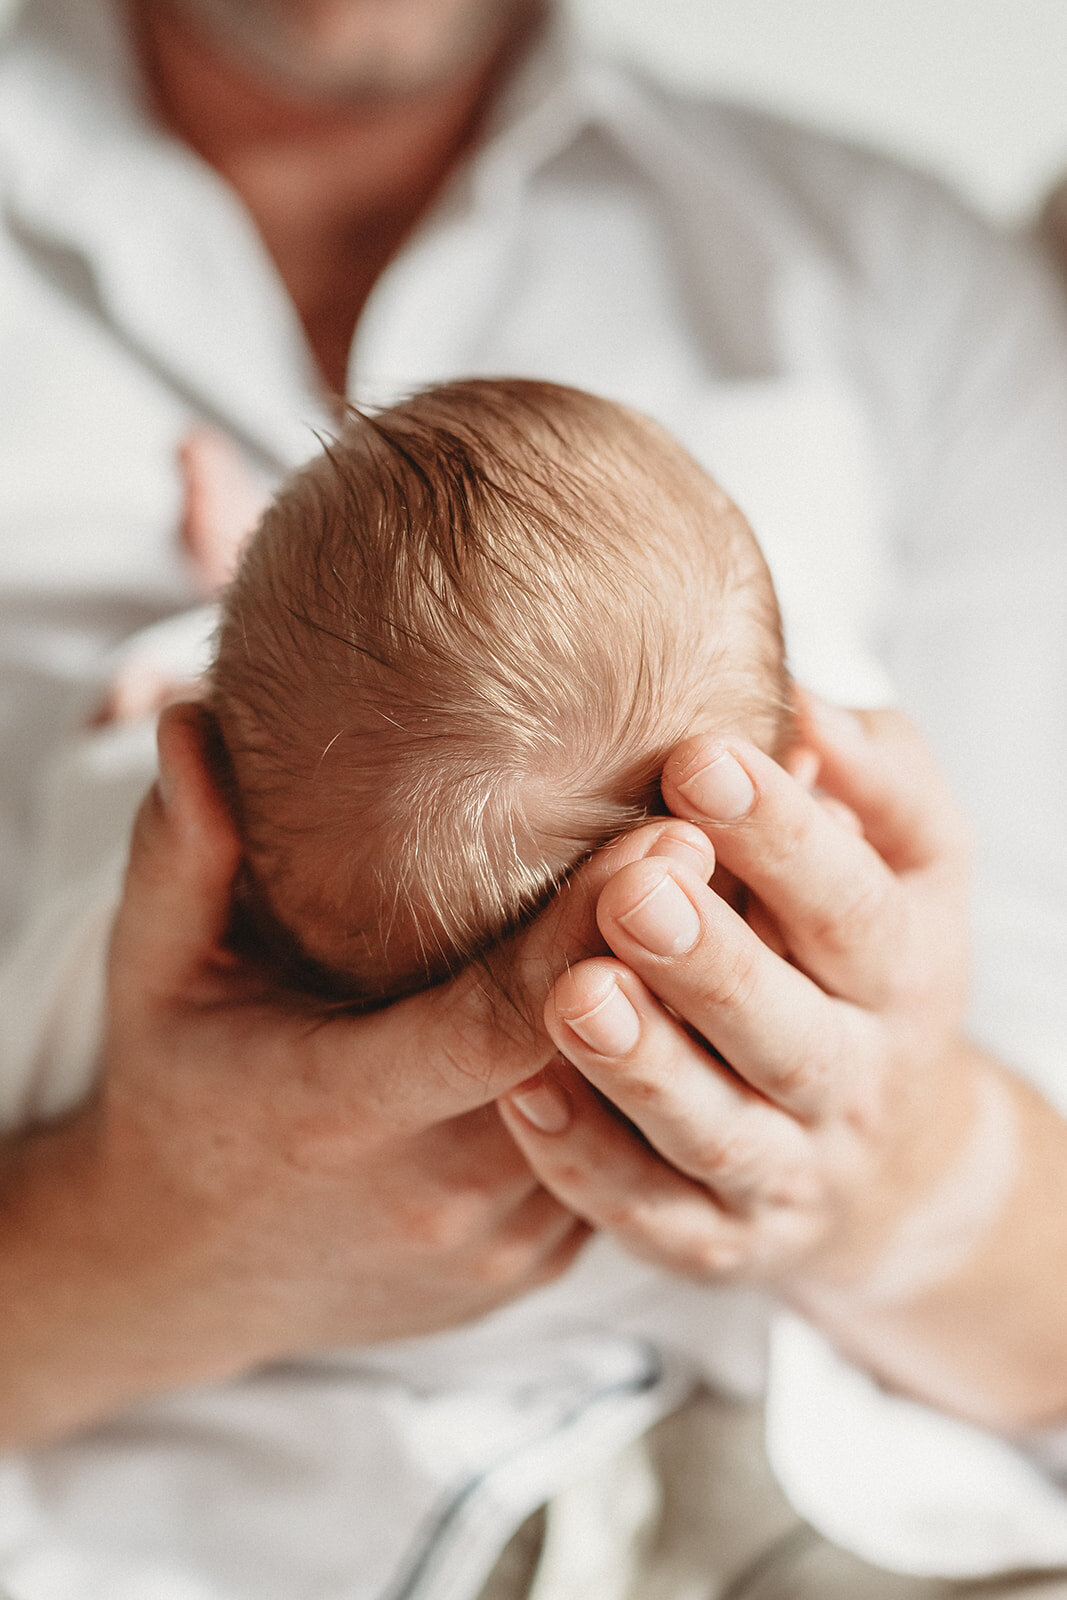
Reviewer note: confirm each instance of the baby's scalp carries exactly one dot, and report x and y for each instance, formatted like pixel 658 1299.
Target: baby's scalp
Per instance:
pixel 454 657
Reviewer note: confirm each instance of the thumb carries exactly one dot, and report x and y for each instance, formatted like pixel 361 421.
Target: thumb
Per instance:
pixel 184 855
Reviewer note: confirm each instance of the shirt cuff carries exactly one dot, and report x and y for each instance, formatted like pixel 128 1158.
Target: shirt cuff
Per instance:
pixel 902 1485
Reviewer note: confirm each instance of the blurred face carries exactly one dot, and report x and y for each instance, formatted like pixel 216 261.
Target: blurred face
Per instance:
pixel 359 48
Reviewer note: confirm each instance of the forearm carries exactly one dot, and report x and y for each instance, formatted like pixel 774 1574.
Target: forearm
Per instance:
pixel 965 1308
pixel 83 1334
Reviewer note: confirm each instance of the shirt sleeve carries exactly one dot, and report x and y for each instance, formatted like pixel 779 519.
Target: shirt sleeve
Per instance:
pixel 963 353
pixel 900 1484
pixel 975 626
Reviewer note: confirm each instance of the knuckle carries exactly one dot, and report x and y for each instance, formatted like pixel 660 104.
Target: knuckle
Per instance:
pixel 570 1178
pixel 491 1188
pixel 799 1190
pixel 912 982
pixel 863 1118
pixel 643 1083
pixel 625 1216
pixel 846 923
pixel 865 1111
pixel 438 1227
pixel 924 954
pixel 788 840
pixel 735 1154
pixel 518 1254
pixel 501 1265
pixel 732 986
pixel 717 1253
pixel 805 1080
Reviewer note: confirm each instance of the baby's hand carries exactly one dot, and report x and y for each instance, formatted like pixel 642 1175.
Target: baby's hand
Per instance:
pixel 223 503
pixel 139 690
pixel 158 667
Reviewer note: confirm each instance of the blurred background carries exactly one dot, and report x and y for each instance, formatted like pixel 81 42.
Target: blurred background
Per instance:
pixel 976 89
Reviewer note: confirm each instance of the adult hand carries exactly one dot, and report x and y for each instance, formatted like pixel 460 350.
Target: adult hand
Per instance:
pixel 251 1180
pixel 783 1095
pixel 799 1109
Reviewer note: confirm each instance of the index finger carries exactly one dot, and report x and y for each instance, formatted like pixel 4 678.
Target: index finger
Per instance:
pixel 842 911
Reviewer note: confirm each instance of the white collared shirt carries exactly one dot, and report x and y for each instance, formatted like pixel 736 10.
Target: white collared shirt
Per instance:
pixel 881 384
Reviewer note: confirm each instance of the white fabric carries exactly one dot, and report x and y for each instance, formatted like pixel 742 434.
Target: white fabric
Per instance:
pixel 883 386
pixel 891 1476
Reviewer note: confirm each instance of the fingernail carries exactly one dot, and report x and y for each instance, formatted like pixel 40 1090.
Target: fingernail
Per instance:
pixel 542 1104
pixel 611 1028
pixel 664 920
pixel 699 857
pixel 722 791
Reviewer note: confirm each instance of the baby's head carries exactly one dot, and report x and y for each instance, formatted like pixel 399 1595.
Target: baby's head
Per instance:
pixel 453 660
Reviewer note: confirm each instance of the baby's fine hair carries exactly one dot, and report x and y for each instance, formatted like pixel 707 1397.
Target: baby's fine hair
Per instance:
pixel 454 657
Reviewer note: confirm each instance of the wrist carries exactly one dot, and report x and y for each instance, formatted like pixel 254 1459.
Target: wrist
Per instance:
pixel 978 1331
pixel 921 1209
pixel 46 1207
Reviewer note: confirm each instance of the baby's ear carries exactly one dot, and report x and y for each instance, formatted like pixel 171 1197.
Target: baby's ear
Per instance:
pixel 222 503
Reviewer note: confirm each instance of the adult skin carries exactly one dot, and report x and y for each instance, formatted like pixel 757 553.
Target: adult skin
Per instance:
pixel 249 1183
pixel 245 1185
pixel 857 1155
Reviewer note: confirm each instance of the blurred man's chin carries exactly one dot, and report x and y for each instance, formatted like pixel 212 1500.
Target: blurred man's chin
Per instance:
pixel 358 49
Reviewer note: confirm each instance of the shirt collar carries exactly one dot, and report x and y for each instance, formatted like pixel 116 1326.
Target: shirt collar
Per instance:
pixel 74 115
pixel 89 175
pixel 81 149
pixel 563 90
